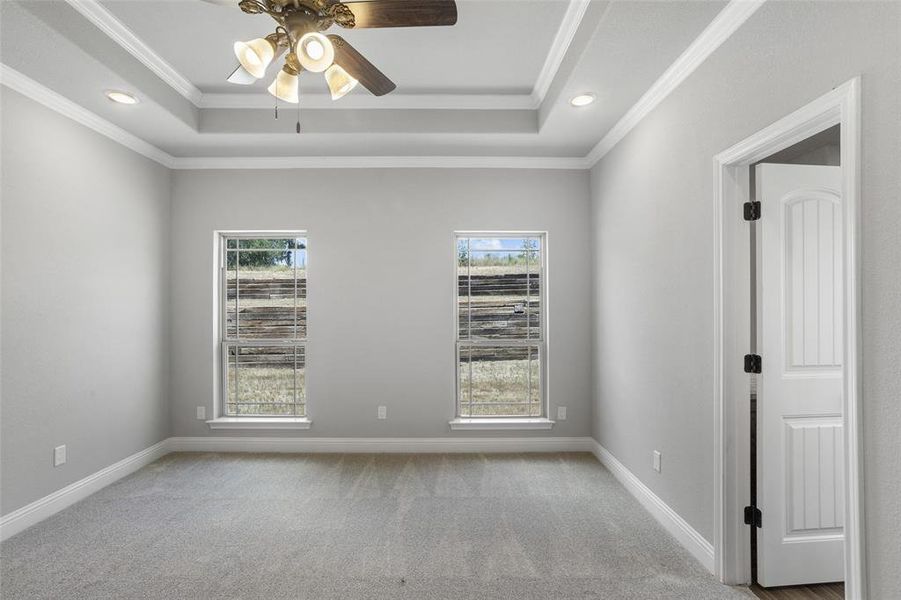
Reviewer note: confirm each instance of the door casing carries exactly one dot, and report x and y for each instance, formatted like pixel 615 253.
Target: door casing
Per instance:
pixel 732 308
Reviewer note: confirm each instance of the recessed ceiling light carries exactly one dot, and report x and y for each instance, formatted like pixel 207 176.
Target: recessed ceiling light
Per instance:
pixel 121 97
pixel 582 100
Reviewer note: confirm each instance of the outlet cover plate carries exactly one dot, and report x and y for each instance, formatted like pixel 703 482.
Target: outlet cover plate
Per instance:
pixel 59 455
pixel 657 461
pixel 201 413
pixel 561 413
pixel 383 412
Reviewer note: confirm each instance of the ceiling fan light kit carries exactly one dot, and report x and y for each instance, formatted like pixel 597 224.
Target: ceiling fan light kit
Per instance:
pixel 298 34
pixel 256 55
pixel 339 81
pixel 286 85
pixel 315 52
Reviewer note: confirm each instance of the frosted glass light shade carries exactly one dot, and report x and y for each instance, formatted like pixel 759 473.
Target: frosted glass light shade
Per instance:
pixel 315 52
pixel 285 87
pixel 339 81
pixel 255 55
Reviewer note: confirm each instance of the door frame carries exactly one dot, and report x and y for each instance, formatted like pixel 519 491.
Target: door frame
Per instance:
pixel 732 308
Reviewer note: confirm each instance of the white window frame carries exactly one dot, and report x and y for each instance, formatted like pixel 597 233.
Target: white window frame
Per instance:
pixel 223 343
pixel 543 421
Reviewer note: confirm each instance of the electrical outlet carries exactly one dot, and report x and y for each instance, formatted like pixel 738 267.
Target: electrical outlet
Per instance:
pixel 59 455
pixel 657 461
pixel 561 413
pixel 383 412
pixel 201 413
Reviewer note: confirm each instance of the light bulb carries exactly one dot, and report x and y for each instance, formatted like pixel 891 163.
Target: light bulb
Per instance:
pixel 315 49
pixel 339 81
pixel 315 52
pixel 255 55
pixel 285 86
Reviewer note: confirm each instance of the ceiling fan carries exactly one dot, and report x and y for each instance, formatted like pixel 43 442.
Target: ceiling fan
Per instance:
pixel 298 36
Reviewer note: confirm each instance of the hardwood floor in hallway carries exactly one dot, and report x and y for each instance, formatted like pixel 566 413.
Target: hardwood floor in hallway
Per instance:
pixel 823 591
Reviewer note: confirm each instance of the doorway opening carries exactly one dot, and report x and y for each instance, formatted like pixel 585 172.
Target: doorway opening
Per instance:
pixel 788 459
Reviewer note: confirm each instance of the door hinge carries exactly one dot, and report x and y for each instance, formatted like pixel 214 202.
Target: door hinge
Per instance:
pixel 753 363
pixel 753 516
pixel 752 210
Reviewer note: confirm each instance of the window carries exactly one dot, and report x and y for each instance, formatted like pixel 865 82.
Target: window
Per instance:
pixel 264 325
pixel 500 325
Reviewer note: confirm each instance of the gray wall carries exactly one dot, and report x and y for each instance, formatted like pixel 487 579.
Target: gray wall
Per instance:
pixel 653 254
pixel 84 301
pixel 381 242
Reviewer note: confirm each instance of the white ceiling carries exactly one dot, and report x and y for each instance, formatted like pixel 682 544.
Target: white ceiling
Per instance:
pixel 197 37
pixel 174 54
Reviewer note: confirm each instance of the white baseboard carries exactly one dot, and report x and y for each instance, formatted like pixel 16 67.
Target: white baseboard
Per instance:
pixel 684 533
pixel 18 520
pixel 376 445
pixel 28 515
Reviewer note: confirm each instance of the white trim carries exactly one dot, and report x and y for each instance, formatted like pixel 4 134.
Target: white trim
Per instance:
pixel 47 97
pixel 726 23
pixel 126 38
pixel 28 515
pixel 43 95
pixel 243 423
pixel 718 31
pixel 94 12
pixel 487 424
pixel 379 445
pixel 559 47
pixel 31 514
pixel 381 162
pixel 365 101
pixel 678 527
pixel 839 106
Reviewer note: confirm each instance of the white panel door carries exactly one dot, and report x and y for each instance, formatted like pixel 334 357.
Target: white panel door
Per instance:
pixel 800 462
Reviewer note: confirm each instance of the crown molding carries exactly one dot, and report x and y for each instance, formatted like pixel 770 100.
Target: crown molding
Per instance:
pixel 723 26
pixel 380 162
pixel 572 18
pixel 43 95
pixel 30 88
pixel 126 38
pixel 718 31
pixel 94 12
pixel 391 101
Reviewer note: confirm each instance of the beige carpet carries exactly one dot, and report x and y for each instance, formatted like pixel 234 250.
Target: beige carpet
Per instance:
pixel 417 527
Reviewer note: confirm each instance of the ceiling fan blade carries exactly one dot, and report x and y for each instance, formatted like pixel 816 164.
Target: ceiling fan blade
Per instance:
pixel 403 13
pixel 241 76
pixel 359 68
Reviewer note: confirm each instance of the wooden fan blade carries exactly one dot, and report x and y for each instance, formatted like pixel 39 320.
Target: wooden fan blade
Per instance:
pixel 359 68
pixel 403 13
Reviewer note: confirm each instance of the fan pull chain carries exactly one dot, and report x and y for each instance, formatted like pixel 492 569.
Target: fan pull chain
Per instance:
pixel 298 114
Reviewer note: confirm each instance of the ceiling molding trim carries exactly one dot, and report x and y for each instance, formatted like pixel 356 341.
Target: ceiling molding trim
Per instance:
pixel 127 39
pixel 62 105
pixel 30 88
pixel 94 12
pixel 718 31
pixel 367 102
pixel 380 162
pixel 572 18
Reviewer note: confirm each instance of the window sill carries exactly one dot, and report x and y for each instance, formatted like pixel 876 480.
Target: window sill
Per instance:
pixel 498 424
pixel 259 423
